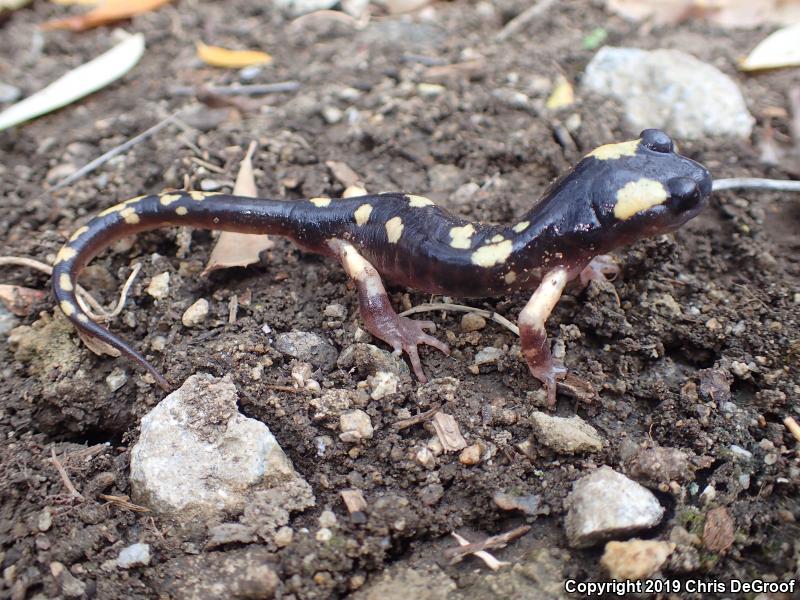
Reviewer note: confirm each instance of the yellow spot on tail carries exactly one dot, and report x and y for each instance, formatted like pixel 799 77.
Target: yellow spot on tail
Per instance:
pixel 130 216
pixel 67 307
pixel 636 196
pixel 168 199
pixel 320 202
pixel 64 282
pixel 113 209
pixel 460 237
pixel 362 214
pixel 510 277
pixel 614 151
pixel 78 233
pixel 521 226
pixel 199 196
pixel 419 201
pixel 181 210
pixel 492 254
pixel 66 253
pixel 83 318
pixel 394 229
pixel 497 238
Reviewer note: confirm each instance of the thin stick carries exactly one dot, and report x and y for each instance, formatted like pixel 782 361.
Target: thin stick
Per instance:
pixel 756 183
pixel 461 308
pixel 490 560
pixel 64 476
pixel 524 19
pixel 495 541
pixel 237 90
pixel 793 427
pixel 416 419
pixel 123 296
pixel 88 168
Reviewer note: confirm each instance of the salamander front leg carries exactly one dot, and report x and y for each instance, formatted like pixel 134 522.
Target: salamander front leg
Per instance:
pixel 401 333
pixel 534 336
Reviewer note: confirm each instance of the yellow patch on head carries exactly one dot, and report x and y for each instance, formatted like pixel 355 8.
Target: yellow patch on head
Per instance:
pixel 461 237
pixel 181 210
pixel 636 196
pixel 66 253
pixel 168 199
pixel 362 214
pixel 67 307
pixel 521 226
pixel 65 282
pixel 492 254
pixel 419 201
pixel 130 216
pixel 497 238
pixel 615 151
pixel 320 202
pixel 78 233
pixel 510 277
pixel 394 229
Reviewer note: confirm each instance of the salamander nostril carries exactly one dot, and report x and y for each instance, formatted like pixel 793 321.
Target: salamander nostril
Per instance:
pixel 684 193
pixel 656 140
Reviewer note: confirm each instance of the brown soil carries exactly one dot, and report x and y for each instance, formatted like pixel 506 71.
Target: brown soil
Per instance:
pixel 721 291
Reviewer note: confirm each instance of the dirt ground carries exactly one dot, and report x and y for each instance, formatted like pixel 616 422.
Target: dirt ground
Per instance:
pixel 701 355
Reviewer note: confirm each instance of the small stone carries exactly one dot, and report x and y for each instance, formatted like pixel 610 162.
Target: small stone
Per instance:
pixel 116 379
pixel 430 90
pixel 528 504
pixel 302 7
pixel 323 535
pixel 250 73
pixel 369 359
pixel 382 384
pixel 283 537
pixel 355 426
pixel 71 587
pixel 45 520
pixel 512 98
pixel 605 505
pixel 740 369
pixel 567 435
pixel 635 559
pixel 307 347
pixel 472 322
pixel 196 313
pixel 211 185
pixel 9 93
pixel 708 495
pixel 425 457
pixel 335 311
pixel 332 115
pixel 471 455
pixel 488 355
pixel 655 466
pixel 159 286
pixel 719 530
pixel 328 519
pixel 465 193
pixel 713 324
pixel 135 555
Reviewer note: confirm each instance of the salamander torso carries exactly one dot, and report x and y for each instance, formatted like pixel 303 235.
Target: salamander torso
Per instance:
pixel 617 194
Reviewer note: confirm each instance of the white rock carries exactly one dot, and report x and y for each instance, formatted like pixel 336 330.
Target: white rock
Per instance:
pixel 489 354
pixel 382 384
pixel 198 457
pixel 355 426
pixel 671 90
pixel 605 505
pixel 566 435
pixel 135 555
pixel 159 286
pixel 196 313
pixel 302 7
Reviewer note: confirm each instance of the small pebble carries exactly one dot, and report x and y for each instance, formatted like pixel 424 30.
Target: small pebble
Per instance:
pixel 283 537
pixel 211 185
pixel 425 458
pixel 332 115
pixel 488 355
pixel 324 535
pixel 135 555
pixel 328 519
pixel 635 559
pixel 430 90
pixel 116 379
pixel 472 322
pixel 471 455
pixel 9 93
pixel 159 286
pixel 335 311
pixel 45 519
pixel 250 73
pixel 196 313
pixel 382 384
pixel 355 426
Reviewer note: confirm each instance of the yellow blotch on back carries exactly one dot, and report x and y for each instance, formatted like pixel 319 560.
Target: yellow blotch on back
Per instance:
pixel 130 215
pixel 394 229
pixel 636 196
pixel 614 151
pixel 64 282
pixel 497 238
pixel 113 209
pixel 320 202
pixel 419 201
pixel 168 199
pixel 492 254
pixel 521 226
pixel 66 253
pixel 67 307
pixel 362 214
pixel 78 233
pixel 460 237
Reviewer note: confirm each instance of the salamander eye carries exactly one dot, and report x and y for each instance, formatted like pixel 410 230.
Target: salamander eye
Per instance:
pixel 684 193
pixel 656 140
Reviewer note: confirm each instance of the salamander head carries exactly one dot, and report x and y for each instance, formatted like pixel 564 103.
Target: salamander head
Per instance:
pixel 644 188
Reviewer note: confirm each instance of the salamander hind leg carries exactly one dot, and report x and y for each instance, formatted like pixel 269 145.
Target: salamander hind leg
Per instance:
pixel 401 333
pixel 534 336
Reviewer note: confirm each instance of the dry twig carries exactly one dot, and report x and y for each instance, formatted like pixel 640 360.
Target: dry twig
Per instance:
pixel 793 427
pixel 237 90
pixel 495 541
pixel 64 476
pixel 461 308
pixel 123 502
pixel 523 19
pixel 416 419
pixel 756 183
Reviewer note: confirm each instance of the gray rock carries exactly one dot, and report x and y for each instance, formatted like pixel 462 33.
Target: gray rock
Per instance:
pixel 369 360
pixel 308 347
pixel 661 465
pixel 605 505
pixel 9 93
pixel 302 7
pixel 669 89
pixel 198 458
pixel 135 555
pixel 565 435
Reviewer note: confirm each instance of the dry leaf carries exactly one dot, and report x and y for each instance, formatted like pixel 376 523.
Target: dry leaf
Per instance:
pixel 449 434
pixel 718 532
pixel 240 249
pixel 76 84
pixel 20 300
pixel 231 59
pixel 780 49
pixel 107 12
pixel 98 346
pixel 725 13
pixel 562 94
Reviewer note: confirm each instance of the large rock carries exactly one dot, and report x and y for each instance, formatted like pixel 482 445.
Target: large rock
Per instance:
pixel 671 90
pixel 605 505
pixel 198 457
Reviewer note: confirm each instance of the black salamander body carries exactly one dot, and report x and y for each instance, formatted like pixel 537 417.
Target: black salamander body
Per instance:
pixel 617 194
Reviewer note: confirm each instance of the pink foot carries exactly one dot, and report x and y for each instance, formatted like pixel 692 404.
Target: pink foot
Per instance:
pixel 548 372
pixel 406 334
pixel 602 269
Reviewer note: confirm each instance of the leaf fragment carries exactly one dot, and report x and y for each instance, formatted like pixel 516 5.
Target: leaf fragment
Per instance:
pixel 231 59
pixel 779 49
pixel 107 12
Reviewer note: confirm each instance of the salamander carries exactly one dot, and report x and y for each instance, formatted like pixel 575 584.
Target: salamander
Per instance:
pixel 615 195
